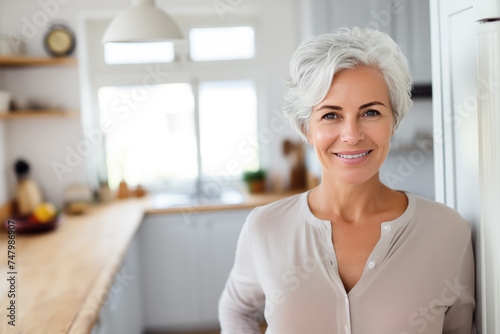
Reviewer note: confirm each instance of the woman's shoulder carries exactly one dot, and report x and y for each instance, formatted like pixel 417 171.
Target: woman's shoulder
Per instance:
pixel 278 212
pixel 436 215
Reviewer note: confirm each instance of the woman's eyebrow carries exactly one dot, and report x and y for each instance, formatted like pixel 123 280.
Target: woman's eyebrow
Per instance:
pixel 374 103
pixel 366 105
pixel 327 106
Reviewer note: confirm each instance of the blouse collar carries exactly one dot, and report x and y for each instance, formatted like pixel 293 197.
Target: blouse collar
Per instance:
pixel 396 223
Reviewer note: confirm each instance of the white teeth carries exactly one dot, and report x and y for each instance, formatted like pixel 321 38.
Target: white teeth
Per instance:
pixel 352 156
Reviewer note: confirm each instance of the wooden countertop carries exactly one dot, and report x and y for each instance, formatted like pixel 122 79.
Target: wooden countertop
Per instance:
pixel 63 276
pixel 250 201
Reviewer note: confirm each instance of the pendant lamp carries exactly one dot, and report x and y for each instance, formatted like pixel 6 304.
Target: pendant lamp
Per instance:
pixel 143 22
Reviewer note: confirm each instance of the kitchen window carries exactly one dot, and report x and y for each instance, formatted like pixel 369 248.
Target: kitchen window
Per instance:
pixel 138 53
pixel 156 140
pixel 182 115
pixel 225 43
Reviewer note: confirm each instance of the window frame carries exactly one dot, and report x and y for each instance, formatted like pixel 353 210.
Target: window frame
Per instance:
pixel 182 69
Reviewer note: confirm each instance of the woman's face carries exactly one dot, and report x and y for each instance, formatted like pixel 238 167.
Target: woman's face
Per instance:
pixel 352 127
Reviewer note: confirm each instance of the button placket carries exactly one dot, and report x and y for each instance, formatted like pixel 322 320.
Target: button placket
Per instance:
pixel 348 316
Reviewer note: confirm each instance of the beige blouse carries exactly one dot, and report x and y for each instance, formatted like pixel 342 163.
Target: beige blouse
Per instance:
pixel 419 278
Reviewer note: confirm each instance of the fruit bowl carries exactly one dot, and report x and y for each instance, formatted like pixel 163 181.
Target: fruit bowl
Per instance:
pixel 25 225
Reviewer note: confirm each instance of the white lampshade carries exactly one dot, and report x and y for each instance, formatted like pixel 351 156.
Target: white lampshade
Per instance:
pixel 144 22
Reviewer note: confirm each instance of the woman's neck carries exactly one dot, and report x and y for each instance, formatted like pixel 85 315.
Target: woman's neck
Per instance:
pixel 351 203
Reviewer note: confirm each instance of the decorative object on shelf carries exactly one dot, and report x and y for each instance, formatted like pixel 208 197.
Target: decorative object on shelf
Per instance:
pixel 256 181
pixel 11 44
pixel 59 41
pixel 43 103
pixel 296 153
pixel 28 195
pixel 143 22
pixel 5 99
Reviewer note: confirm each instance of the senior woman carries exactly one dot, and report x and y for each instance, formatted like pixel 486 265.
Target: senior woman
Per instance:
pixel 351 255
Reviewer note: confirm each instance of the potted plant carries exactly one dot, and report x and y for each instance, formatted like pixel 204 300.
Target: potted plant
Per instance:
pixel 255 180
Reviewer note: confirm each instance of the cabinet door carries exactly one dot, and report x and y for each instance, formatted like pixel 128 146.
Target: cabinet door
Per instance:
pixel 122 309
pixel 406 21
pixel 186 261
pixel 171 269
pixel 409 25
pixel 219 232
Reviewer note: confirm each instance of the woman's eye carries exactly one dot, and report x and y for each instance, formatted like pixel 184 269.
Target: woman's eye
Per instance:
pixel 371 113
pixel 330 116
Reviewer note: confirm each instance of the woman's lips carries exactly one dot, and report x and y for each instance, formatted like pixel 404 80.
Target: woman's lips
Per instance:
pixel 353 157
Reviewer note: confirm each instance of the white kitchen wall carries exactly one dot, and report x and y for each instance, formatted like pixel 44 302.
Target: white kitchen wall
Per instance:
pixel 42 142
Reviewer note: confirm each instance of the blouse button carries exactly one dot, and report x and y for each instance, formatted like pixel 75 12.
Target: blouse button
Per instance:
pixel 371 265
pixel 387 228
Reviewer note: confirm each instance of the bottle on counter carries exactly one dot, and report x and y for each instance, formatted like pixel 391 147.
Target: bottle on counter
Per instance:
pixel 28 194
pixel 123 191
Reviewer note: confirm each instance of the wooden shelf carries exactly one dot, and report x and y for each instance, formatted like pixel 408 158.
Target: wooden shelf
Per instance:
pixel 18 61
pixel 49 113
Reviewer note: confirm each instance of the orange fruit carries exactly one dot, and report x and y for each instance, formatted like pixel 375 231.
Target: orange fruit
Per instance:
pixel 45 212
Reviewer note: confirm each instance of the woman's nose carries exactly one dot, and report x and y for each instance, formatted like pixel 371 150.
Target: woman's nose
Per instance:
pixel 352 133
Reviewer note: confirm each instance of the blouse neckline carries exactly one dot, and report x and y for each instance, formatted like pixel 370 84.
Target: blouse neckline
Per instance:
pixel 404 218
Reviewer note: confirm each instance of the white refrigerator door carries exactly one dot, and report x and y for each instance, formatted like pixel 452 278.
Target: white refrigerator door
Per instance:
pixel 488 93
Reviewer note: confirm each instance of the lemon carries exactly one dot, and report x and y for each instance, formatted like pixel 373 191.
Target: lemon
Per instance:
pixel 45 212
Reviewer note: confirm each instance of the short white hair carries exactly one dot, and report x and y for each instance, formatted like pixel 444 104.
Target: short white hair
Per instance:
pixel 316 60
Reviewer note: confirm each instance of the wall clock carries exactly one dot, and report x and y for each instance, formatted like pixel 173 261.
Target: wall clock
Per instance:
pixel 59 40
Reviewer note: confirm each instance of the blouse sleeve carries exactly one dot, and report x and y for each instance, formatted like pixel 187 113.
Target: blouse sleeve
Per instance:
pixel 242 297
pixel 459 317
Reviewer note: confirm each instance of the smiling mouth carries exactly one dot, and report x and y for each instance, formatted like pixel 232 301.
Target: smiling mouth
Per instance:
pixel 355 156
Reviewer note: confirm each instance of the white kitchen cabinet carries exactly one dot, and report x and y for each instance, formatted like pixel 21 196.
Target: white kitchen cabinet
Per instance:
pixel 186 259
pixel 409 26
pixel 122 309
pixel 406 21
